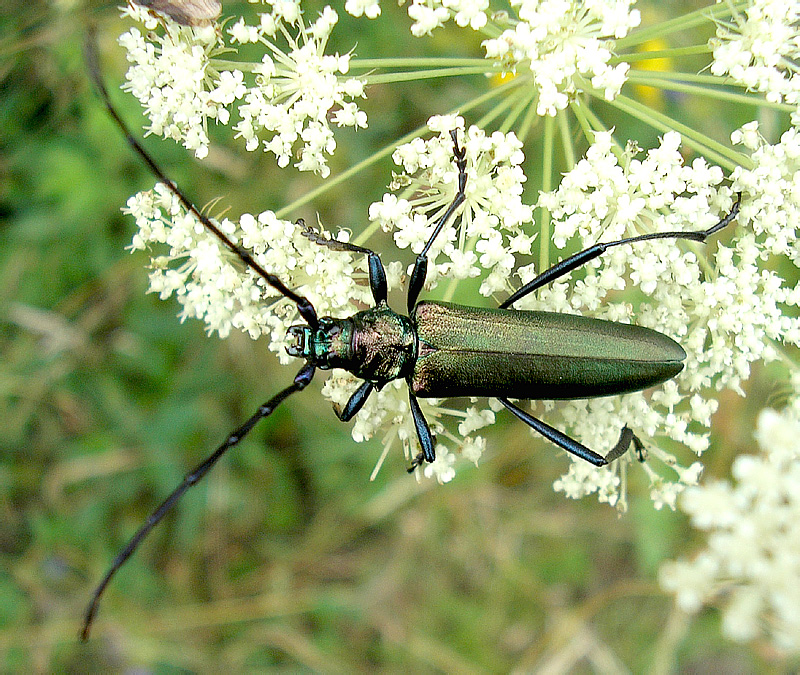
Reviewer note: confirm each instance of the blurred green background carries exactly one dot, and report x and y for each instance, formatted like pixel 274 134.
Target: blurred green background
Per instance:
pixel 286 556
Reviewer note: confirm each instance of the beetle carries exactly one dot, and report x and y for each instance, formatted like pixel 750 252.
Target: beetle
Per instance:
pixel 442 349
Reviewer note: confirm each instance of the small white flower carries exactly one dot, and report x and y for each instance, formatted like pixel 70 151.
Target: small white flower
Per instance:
pixel 426 17
pixel 369 8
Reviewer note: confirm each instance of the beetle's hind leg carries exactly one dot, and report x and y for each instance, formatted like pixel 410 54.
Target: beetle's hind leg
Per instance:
pixel 626 438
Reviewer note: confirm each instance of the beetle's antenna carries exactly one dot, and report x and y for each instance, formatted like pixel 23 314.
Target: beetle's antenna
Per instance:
pixel 300 381
pixel 304 306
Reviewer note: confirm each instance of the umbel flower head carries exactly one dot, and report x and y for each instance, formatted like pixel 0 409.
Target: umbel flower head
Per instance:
pixel 298 91
pixel 752 561
pixel 724 303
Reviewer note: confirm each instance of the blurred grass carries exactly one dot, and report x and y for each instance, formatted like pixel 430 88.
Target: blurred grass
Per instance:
pixel 286 556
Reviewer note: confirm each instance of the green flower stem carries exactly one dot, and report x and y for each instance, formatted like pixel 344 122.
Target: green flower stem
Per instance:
pixel 547 186
pixel 410 76
pixel 686 22
pixel 225 64
pixel 521 96
pixel 524 99
pixel 670 82
pixel 567 146
pixel 423 62
pixel 677 52
pixel 580 111
pixel 531 119
pixel 697 78
pixel 713 150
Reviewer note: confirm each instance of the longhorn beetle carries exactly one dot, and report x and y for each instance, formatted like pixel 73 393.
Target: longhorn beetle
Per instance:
pixel 444 350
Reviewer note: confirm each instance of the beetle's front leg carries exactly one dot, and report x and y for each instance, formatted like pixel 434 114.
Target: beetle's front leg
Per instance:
pixel 355 403
pixel 377 273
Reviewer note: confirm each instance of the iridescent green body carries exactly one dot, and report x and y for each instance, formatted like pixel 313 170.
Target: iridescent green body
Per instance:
pixel 446 350
pixel 469 351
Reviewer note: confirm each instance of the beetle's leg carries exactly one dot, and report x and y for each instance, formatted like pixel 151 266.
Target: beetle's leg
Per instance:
pixel 626 438
pixel 421 263
pixel 419 460
pixel 377 273
pixel 423 432
pixel 639 449
pixel 556 436
pixel 356 402
pixel 581 258
pixel 300 381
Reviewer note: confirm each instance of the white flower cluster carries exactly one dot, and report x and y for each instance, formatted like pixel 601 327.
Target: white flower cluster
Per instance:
pixel 172 77
pixel 724 321
pixel 487 230
pixel 298 91
pixel 759 48
pixel 211 284
pixel 567 46
pixel 753 554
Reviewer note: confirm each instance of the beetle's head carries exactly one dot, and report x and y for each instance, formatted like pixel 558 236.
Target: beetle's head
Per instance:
pixel 327 346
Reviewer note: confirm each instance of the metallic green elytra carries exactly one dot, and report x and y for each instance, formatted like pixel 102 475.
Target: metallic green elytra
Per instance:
pixel 442 349
pixel 470 351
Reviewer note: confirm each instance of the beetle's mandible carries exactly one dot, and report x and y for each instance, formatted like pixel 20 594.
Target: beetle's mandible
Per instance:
pixel 443 350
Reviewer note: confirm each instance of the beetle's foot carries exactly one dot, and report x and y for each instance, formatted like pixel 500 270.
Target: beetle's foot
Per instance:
pixel 419 460
pixel 626 438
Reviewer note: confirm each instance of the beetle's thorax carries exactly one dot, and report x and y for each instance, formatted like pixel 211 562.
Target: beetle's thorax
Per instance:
pixel 377 345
